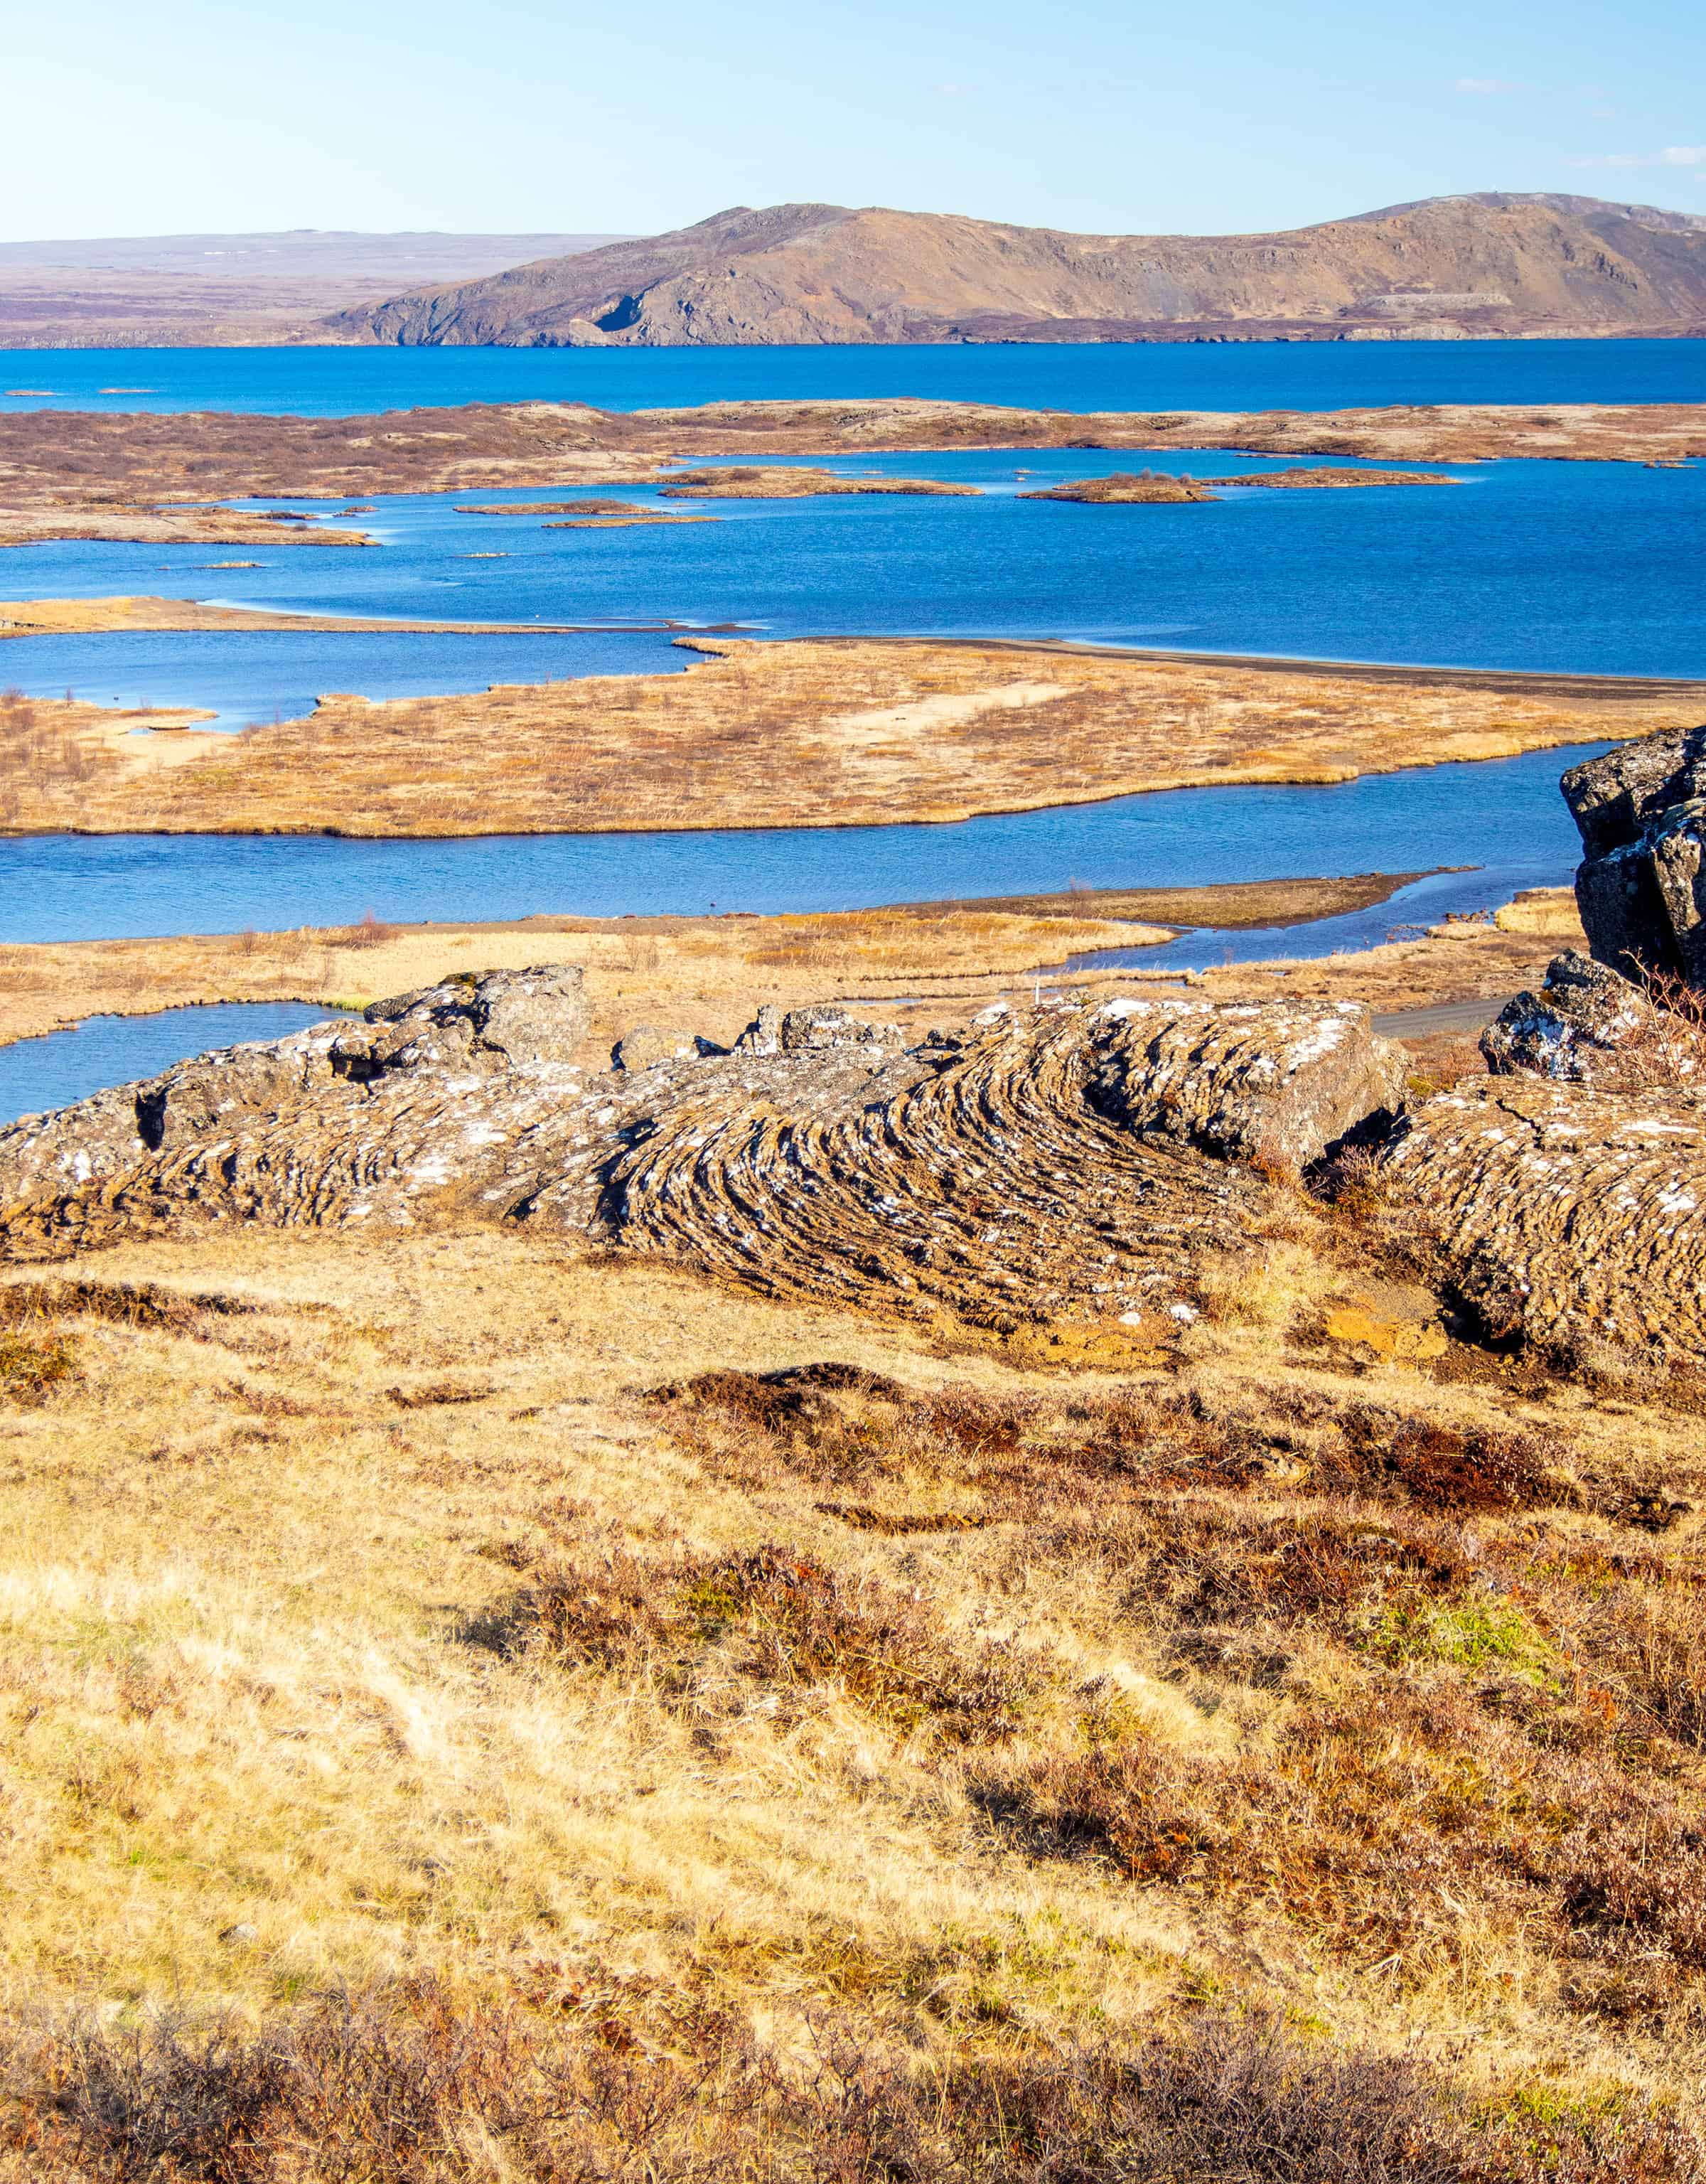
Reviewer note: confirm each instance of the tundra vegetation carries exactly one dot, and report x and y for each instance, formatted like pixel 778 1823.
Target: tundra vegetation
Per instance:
pixel 791 734
pixel 71 474
pixel 476 1708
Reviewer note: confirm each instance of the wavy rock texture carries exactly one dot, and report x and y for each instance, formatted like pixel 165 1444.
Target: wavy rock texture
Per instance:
pixel 1069 1163
pixel 1574 1214
pixel 1066 1161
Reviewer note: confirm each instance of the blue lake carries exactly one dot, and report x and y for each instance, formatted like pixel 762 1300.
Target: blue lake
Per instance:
pixel 66 887
pixel 1550 566
pixel 277 675
pixel 1585 566
pixel 333 382
pixel 37 1075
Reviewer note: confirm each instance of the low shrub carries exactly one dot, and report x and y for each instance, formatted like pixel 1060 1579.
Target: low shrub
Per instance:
pixel 408 2087
pixel 782 1619
pixel 31 1364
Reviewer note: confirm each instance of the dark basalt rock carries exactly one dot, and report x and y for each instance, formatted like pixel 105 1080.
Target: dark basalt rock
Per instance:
pixel 1641 888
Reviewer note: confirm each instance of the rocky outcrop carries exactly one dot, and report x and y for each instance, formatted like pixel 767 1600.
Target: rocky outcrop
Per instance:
pixel 1272 1082
pixel 1494 265
pixel 1580 1026
pixel 1062 1161
pixel 1568 1190
pixel 1574 1217
pixel 1640 812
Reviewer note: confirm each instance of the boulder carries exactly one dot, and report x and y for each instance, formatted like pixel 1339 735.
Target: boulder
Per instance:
pixel 1279 1082
pixel 509 1018
pixel 1640 812
pixel 1578 1027
pixel 1573 1215
pixel 817 1028
pixel 647 1044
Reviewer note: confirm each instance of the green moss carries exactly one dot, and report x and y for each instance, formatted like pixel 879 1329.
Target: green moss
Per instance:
pixel 1469 1636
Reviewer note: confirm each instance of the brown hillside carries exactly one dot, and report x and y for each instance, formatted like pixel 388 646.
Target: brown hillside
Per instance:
pixel 1490 265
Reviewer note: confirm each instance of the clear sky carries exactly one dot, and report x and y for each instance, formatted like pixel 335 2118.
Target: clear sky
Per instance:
pixel 132 117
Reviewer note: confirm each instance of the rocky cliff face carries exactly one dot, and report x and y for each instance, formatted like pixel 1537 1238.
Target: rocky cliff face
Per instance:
pixel 1641 888
pixel 1491 264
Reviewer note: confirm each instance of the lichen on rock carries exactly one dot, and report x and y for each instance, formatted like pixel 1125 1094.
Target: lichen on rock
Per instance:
pixel 1640 812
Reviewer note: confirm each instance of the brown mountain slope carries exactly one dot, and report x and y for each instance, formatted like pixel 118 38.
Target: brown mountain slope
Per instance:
pixel 1492 264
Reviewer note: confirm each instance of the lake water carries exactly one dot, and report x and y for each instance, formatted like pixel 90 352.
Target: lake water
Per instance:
pixel 1409 910
pixel 277 675
pixel 37 1075
pixel 1585 566
pixel 333 382
pixel 1591 567
pixel 67 887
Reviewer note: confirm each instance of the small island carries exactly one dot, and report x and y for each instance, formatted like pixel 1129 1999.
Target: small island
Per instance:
pixel 548 508
pixel 753 482
pixel 1127 488
pixel 1328 476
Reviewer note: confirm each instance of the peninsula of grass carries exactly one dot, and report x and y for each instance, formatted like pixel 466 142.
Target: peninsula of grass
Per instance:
pixel 805 733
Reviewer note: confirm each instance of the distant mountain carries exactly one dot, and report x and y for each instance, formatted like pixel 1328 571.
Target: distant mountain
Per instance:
pixel 182 288
pixel 1491 264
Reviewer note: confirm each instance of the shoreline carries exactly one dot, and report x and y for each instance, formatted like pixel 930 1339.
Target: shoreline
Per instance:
pixel 162 475
pixel 121 613
pixel 667 969
pixel 1540 683
pixel 768 735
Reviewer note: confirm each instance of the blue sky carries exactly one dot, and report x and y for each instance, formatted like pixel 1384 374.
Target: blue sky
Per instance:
pixel 136 119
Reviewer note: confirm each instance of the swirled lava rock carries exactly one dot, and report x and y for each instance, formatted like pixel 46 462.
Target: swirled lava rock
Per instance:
pixel 1573 1214
pixel 1064 1159
pixel 1640 812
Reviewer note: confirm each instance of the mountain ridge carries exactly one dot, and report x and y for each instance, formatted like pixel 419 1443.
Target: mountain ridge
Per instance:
pixel 1489 264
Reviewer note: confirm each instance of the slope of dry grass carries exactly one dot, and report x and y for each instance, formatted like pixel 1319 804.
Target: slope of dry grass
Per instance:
pixel 866 731
pixel 579 1666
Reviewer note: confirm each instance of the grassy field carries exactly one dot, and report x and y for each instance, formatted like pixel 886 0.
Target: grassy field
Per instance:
pixel 483 1710
pixel 475 1707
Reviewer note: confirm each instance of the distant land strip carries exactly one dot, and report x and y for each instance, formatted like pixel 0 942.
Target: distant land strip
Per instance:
pixel 150 476
pixel 21 619
pixel 1528 682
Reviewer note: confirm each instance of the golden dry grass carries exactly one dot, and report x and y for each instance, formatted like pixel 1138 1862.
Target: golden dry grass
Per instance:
pixel 707 973
pixel 375 1620
pixel 865 731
